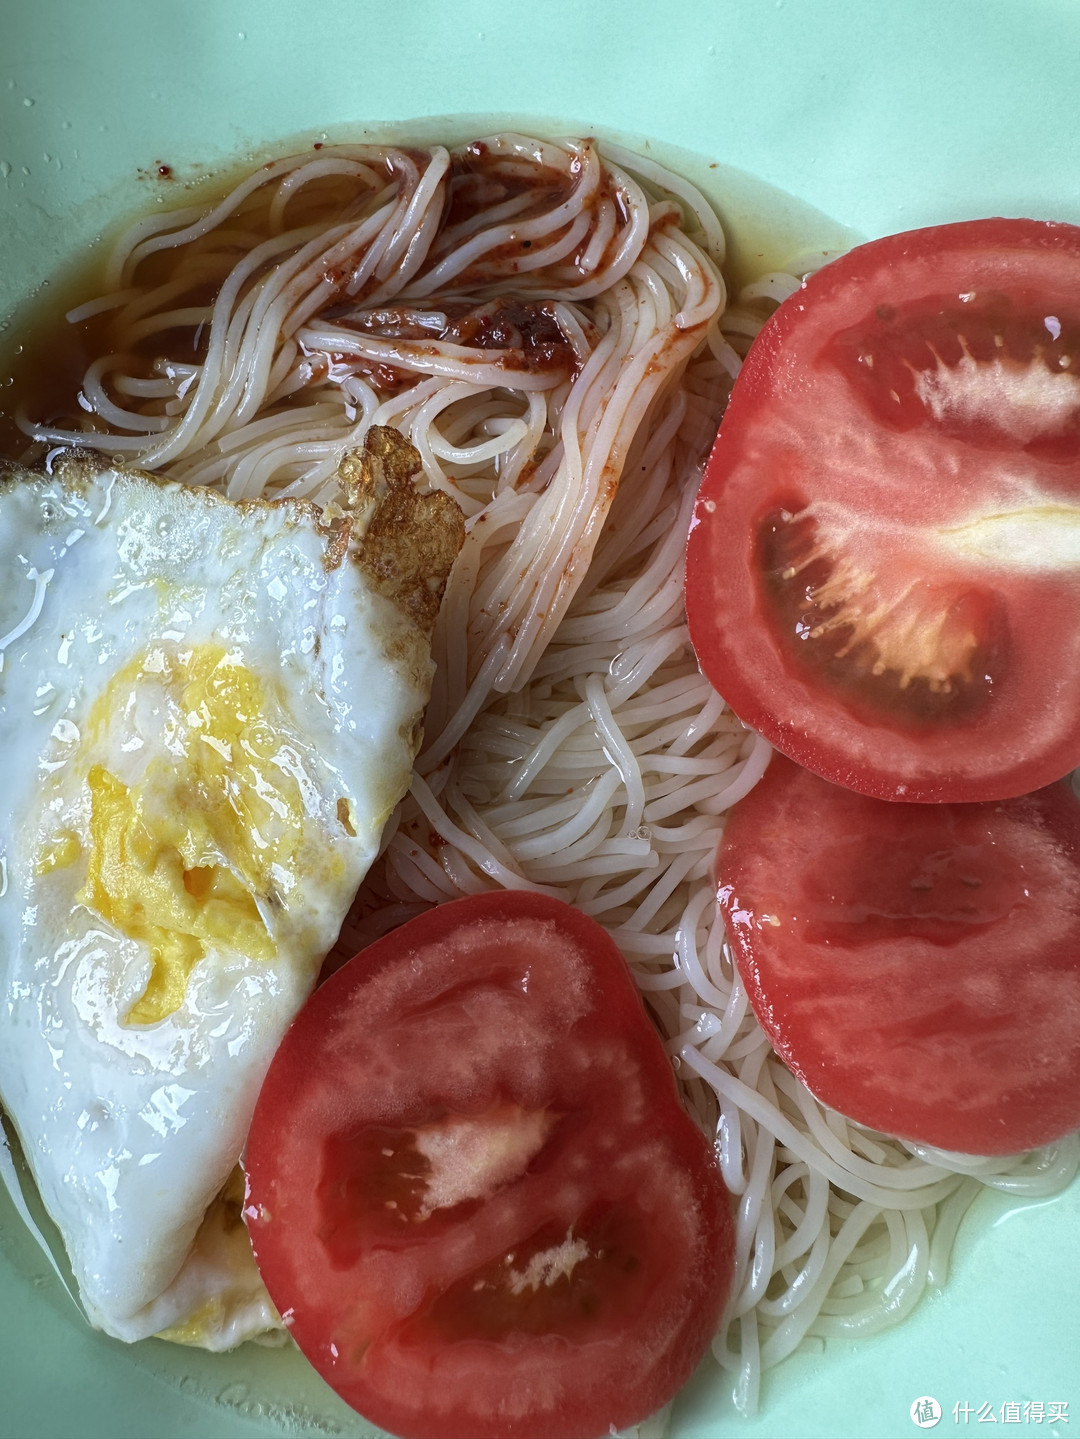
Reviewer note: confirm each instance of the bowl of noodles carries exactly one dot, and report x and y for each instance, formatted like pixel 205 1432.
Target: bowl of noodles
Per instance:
pixel 237 241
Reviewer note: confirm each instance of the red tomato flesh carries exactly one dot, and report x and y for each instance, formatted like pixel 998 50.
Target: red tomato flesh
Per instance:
pixel 472 1189
pixel 883 572
pixel 916 966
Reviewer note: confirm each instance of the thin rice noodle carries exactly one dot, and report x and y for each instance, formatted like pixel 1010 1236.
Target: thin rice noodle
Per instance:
pixel 573 747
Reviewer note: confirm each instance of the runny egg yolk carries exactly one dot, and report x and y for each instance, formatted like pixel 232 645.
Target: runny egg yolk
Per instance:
pixel 203 847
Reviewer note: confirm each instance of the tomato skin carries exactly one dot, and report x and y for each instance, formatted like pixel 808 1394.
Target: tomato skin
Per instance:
pixel 916 966
pixel 473 1189
pixel 880 569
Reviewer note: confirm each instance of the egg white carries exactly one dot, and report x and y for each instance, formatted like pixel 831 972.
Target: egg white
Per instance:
pixel 119 596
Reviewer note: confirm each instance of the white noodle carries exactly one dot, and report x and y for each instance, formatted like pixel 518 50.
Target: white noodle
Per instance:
pixel 573 748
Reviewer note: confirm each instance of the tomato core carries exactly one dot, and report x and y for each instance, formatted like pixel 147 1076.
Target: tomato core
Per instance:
pixel 878 634
pixel 993 370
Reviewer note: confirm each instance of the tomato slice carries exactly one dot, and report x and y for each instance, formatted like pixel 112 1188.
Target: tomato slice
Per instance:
pixel 472 1190
pixel 916 966
pixel 883 572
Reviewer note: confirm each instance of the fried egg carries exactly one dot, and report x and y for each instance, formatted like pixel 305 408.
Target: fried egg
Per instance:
pixel 208 710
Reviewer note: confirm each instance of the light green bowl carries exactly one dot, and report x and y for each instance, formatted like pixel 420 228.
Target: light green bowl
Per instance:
pixel 883 116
